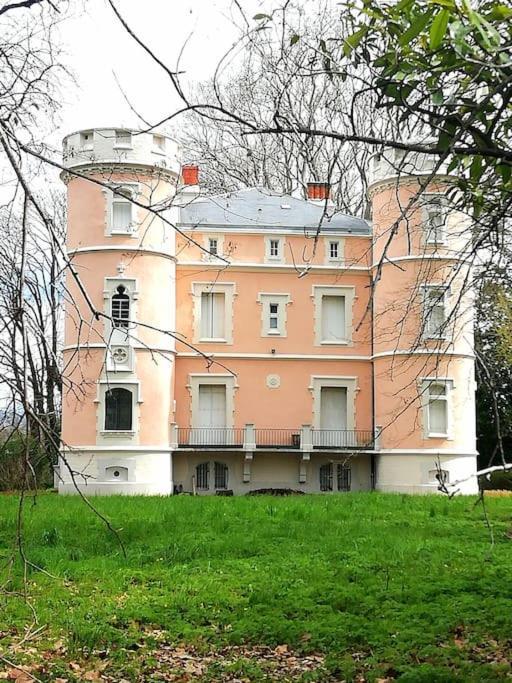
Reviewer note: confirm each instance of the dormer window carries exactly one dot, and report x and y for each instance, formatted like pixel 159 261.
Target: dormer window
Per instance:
pixel 213 246
pixel 123 139
pixel 120 308
pixel 274 249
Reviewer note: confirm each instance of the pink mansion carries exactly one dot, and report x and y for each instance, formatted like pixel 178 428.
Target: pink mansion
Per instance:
pixel 240 344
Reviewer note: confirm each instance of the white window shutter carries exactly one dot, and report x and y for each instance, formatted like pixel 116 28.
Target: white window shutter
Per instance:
pixel 333 318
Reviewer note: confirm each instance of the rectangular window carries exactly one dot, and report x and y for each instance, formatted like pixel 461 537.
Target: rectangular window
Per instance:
pixel 273 317
pixel 274 248
pixel 203 476
pixel 343 477
pixel 435 312
pixel 212 315
pixel 86 140
pixel 326 477
pixel 213 245
pixel 333 318
pixel 436 218
pixel 123 138
pixel 221 475
pixel 437 409
pixel 159 143
pixel 121 215
pixel 334 250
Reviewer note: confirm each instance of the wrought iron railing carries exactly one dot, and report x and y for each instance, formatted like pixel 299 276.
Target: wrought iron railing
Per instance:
pixel 342 438
pixel 210 437
pixel 277 438
pixel 286 439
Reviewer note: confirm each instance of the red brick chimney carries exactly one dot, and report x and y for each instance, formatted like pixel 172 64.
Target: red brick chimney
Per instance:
pixel 190 174
pixel 319 191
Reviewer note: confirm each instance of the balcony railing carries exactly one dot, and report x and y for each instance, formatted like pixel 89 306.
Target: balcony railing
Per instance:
pixel 250 438
pixel 277 438
pixel 210 437
pixel 342 439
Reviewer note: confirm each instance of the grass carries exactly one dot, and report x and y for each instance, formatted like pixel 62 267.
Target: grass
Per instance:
pixel 385 586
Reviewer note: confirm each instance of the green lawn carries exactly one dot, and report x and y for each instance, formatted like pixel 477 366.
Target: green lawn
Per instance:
pixel 381 586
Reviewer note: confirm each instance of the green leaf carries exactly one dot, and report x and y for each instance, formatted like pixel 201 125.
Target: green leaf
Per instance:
pixel 415 28
pixel 437 97
pixel 353 41
pixel 438 28
pixel 505 171
pixel 403 4
pixel 294 39
pixel 257 17
pixel 475 171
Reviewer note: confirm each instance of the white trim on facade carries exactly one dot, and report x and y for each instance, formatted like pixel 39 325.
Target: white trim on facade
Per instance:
pixel 266 299
pixel 229 291
pixel 121 248
pixel 340 257
pixel 197 379
pixel 348 383
pixel 270 241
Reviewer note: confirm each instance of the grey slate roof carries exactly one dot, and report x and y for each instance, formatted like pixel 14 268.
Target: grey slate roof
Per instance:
pixel 264 210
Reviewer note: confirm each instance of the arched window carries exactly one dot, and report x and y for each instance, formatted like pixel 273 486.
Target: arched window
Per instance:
pixel 120 307
pixel 118 409
pixel 221 475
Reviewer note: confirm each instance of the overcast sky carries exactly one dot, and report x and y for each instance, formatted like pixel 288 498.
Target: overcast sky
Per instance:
pixel 99 51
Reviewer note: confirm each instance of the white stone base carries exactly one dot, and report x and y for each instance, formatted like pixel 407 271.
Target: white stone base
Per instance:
pixel 116 471
pixel 412 472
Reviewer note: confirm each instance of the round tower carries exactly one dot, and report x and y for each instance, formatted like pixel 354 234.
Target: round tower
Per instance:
pixel 423 356
pixel 119 311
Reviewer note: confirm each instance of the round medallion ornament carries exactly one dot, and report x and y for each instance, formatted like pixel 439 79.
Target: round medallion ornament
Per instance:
pixel 273 381
pixel 119 355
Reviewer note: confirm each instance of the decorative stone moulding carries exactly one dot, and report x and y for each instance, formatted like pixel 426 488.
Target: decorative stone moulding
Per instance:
pixel 273 381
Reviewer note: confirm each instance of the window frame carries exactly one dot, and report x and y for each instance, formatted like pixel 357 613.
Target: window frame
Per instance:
pixel 267 299
pixel 105 436
pixel 440 201
pixel 159 149
pixel 86 146
pixel 212 297
pixel 195 380
pixel 117 138
pixel 114 195
pixel 229 291
pixel 121 321
pixel 274 258
pixel 340 250
pixel 448 385
pixel 117 428
pixel 319 291
pixel 428 310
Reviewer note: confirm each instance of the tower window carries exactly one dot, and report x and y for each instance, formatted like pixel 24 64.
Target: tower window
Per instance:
pixel 86 140
pixel 123 138
pixel 435 312
pixel 159 143
pixel 437 409
pixel 120 308
pixel 118 409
